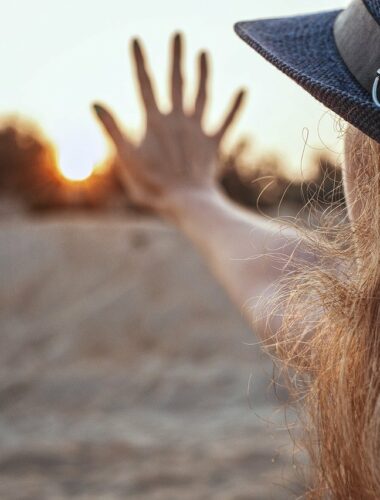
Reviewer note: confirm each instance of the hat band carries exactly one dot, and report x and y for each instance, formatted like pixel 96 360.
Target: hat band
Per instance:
pixel 357 36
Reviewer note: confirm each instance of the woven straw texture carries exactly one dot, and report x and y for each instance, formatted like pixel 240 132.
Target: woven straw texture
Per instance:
pixel 303 47
pixel 374 8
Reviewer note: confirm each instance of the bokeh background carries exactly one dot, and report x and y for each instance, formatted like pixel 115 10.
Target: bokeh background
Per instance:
pixel 125 371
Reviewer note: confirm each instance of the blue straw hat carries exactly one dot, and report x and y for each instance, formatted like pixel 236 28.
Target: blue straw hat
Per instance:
pixel 334 55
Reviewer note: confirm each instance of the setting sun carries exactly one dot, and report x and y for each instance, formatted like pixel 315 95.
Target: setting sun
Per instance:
pixel 77 160
pixel 73 173
pixel 75 168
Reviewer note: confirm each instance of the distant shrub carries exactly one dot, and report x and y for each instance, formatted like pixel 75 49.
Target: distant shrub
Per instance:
pixel 264 185
pixel 29 174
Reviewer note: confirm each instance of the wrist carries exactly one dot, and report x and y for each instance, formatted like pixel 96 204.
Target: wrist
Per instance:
pixel 183 202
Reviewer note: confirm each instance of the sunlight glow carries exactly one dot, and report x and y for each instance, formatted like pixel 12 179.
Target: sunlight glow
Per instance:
pixel 74 172
pixel 55 83
pixel 77 161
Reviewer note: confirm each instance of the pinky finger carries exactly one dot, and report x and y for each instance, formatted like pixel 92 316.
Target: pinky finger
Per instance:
pixel 231 115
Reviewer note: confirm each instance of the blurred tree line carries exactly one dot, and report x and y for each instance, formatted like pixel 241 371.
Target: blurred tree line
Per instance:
pixel 30 178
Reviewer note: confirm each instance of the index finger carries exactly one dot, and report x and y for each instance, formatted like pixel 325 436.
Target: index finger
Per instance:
pixel 144 80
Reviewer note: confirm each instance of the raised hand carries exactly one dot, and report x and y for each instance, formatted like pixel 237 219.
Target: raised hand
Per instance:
pixel 176 153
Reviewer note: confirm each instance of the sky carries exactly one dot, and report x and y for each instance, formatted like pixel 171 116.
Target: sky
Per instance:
pixel 57 57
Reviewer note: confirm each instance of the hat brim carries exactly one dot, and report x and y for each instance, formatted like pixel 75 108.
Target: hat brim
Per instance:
pixel 304 48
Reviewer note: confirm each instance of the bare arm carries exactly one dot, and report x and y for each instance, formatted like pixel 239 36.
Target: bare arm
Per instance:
pixel 173 172
pixel 246 253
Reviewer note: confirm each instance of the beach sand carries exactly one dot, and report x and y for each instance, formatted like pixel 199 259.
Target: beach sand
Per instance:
pixel 126 372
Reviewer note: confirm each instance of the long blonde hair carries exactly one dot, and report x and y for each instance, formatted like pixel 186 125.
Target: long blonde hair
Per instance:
pixel 330 340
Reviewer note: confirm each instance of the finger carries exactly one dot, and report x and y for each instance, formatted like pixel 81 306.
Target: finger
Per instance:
pixel 125 149
pixel 201 99
pixel 145 83
pixel 237 103
pixel 122 144
pixel 177 78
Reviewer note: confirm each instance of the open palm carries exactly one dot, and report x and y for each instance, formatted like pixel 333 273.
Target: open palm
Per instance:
pixel 176 152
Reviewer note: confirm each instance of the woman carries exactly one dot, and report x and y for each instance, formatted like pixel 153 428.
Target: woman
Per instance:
pixel 312 298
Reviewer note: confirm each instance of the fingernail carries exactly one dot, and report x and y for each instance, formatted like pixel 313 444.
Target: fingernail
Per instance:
pixel 98 109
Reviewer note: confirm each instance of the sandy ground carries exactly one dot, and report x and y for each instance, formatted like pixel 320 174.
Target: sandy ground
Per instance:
pixel 125 371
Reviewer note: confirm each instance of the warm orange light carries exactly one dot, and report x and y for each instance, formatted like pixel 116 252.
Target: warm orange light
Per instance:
pixel 76 174
pixel 76 163
pixel 75 170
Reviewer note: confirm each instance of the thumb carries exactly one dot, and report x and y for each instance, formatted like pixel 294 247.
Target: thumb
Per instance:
pixel 123 145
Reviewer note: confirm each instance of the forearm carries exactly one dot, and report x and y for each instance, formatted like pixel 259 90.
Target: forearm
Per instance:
pixel 246 252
